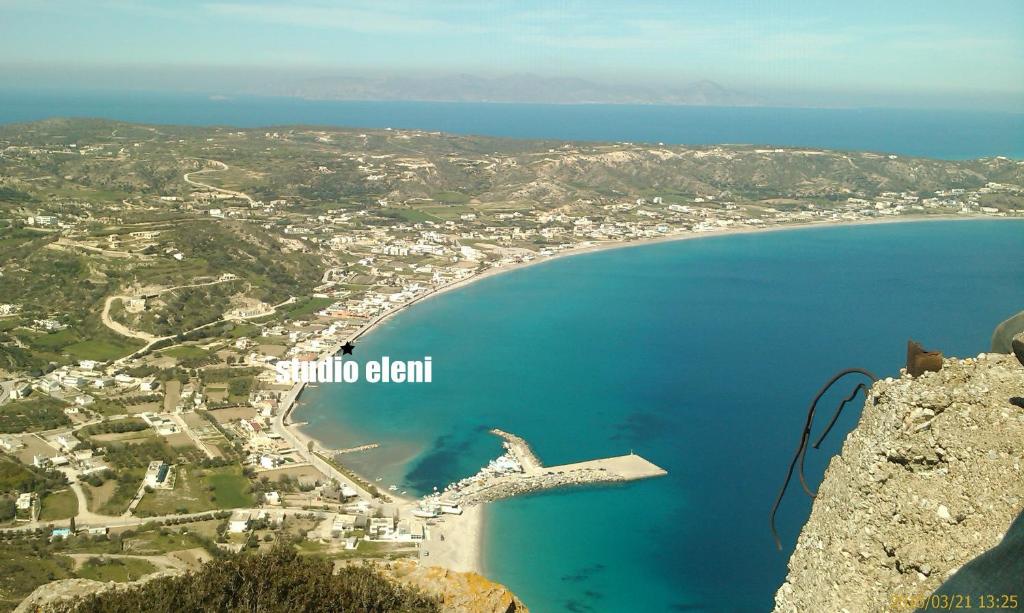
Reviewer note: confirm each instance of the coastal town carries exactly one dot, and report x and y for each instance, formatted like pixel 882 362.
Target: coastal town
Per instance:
pixel 153 278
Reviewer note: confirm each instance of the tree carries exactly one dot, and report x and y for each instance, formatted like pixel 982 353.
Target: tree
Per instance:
pixel 280 580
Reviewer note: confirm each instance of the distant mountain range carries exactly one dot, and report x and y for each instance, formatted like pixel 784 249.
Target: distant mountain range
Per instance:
pixel 512 88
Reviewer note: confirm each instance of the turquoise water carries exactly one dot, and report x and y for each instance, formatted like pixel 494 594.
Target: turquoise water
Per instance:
pixel 939 134
pixel 701 355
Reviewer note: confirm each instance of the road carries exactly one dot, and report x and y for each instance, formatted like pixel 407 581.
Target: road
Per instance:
pixel 144 349
pixel 109 521
pixel 124 330
pixel 223 166
pixel 120 328
pixel 301 444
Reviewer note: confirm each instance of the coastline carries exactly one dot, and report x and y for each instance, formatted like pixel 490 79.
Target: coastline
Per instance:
pixel 463 547
pixel 610 245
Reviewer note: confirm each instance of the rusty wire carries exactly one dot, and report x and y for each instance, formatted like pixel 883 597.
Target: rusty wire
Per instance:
pixel 801 450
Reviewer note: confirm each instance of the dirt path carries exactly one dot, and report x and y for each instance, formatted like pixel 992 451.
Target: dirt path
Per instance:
pixel 120 328
pixel 188 179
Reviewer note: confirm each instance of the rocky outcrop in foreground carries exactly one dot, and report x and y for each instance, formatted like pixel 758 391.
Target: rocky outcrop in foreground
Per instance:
pixel 930 478
pixel 459 592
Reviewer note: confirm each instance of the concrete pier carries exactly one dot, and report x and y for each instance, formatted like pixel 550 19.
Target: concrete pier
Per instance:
pixel 499 481
pixel 624 467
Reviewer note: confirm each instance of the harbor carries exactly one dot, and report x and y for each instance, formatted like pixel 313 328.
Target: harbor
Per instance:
pixel 519 471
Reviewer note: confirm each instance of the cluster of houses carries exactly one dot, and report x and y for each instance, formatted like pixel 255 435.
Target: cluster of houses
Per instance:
pixel 71 381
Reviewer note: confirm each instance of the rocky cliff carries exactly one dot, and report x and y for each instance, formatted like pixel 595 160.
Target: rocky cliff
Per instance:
pixel 929 479
pixel 459 592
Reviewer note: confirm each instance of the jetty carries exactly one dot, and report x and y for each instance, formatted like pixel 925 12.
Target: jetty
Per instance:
pixel 520 471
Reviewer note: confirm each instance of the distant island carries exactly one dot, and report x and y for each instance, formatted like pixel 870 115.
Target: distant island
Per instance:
pixel 518 88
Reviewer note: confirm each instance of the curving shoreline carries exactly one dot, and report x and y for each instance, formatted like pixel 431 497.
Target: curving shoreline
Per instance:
pixel 464 535
pixel 609 245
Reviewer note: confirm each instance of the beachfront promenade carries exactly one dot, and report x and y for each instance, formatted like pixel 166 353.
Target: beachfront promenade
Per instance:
pixel 301 442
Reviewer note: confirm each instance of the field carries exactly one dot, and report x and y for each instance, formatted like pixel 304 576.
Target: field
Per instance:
pixel 155 542
pixel 115 569
pixel 304 474
pixel 99 497
pixel 38 412
pixel 230 488
pixel 224 416
pixel 142 436
pixel 186 352
pixel 59 505
pixel 124 489
pixel 196 490
pixel 304 307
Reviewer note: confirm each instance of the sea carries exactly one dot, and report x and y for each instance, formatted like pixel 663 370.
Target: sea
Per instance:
pixel 701 355
pixel 927 133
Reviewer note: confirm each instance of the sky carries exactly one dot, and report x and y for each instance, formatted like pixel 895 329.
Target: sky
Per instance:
pixel 970 52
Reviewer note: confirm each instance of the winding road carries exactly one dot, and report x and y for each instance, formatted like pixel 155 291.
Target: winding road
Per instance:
pixel 188 179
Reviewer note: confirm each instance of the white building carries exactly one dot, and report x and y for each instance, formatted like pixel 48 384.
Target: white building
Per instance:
pixel 24 502
pixel 239 522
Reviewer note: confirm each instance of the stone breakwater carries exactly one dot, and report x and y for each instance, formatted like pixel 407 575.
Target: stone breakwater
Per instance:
pixel 506 487
pixel 930 478
pixel 519 471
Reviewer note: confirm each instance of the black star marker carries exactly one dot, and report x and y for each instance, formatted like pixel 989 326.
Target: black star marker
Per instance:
pixel 347 348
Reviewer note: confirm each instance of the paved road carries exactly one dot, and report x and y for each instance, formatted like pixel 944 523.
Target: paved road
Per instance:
pixel 107 521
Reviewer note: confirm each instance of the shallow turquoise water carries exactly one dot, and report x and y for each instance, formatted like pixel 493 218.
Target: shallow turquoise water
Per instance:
pixel 700 355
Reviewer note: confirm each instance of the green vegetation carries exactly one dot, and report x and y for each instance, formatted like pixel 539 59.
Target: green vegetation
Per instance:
pixel 38 412
pixel 186 352
pixel 409 215
pixel 30 558
pixel 102 350
pixel 230 487
pixel 139 452
pixel 127 486
pixel 59 505
pixel 131 424
pixel 115 569
pixel 287 582
pixel 196 490
pixel 25 566
pixel 304 307
pixel 451 197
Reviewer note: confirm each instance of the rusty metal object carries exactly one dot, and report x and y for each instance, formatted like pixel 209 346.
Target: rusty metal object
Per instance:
pixel 1017 344
pixel 920 361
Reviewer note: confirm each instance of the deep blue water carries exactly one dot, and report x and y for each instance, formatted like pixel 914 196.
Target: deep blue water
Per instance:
pixel 938 134
pixel 702 356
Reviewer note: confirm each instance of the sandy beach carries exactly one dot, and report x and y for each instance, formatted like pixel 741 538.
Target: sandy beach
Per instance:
pixel 456 541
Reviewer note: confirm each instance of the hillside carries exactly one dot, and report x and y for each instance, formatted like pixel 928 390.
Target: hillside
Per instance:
pixel 282 580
